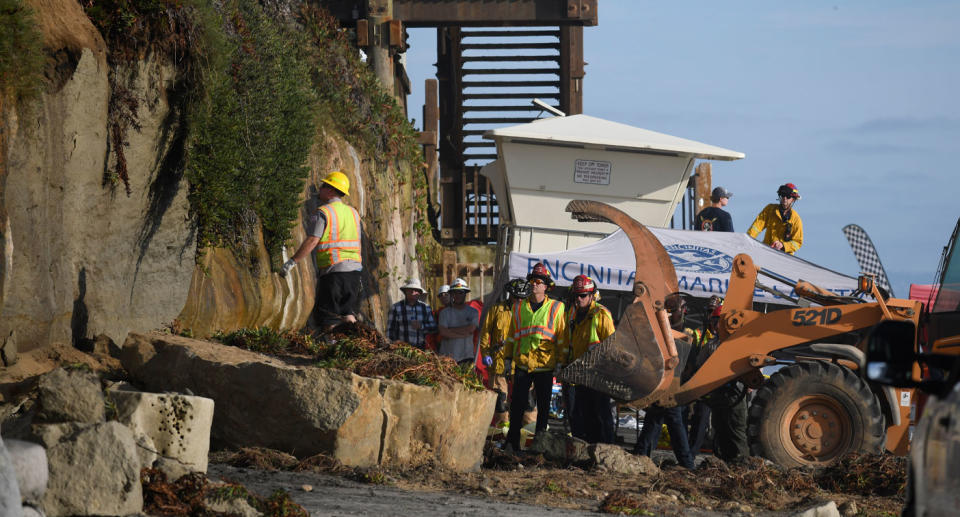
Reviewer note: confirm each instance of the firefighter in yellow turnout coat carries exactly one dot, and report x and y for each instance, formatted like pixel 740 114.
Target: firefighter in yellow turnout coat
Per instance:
pixel 588 324
pixel 535 342
pixel 493 337
pixel 784 228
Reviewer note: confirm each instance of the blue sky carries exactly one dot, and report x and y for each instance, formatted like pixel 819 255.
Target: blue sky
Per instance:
pixel 854 102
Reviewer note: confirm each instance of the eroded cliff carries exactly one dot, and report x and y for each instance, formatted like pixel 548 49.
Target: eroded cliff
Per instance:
pixel 133 195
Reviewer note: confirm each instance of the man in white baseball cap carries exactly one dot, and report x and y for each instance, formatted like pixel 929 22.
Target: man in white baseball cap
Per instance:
pixel 410 319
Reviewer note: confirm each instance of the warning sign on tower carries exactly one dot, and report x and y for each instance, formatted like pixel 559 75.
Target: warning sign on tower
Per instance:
pixel 593 172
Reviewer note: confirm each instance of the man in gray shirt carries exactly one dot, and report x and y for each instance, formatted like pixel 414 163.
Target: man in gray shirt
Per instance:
pixel 457 324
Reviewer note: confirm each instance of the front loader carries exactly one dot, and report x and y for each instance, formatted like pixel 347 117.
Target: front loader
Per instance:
pixel 814 409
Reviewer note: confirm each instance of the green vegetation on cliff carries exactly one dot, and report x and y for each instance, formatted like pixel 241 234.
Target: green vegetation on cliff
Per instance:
pixel 251 134
pixel 21 52
pixel 351 96
pixel 262 86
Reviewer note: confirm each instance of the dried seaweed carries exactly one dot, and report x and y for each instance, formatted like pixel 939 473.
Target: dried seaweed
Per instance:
pixel 866 474
pixel 188 496
pixel 257 458
pixel 621 502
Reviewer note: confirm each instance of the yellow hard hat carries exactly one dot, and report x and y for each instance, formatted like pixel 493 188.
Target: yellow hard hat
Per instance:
pixel 339 181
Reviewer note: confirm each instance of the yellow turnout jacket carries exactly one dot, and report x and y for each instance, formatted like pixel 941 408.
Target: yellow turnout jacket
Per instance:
pixel 597 326
pixel 769 219
pixel 493 335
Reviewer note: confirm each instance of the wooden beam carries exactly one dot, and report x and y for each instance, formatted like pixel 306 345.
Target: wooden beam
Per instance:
pixel 571 70
pixel 703 188
pixel 419 13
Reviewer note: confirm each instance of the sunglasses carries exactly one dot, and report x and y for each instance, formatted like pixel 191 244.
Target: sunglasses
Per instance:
pixel 536 281
pixel 584 295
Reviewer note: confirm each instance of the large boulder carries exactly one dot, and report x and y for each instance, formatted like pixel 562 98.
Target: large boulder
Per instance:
pixel 9 489
pixel 177 426
pixel 270 402
pixel 94 471
pixel 30 463
pixel 70 396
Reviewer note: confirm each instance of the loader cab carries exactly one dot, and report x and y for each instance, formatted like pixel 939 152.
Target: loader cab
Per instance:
pixel 933 486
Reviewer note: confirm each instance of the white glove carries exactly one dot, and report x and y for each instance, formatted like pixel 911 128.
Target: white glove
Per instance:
pixel 287 266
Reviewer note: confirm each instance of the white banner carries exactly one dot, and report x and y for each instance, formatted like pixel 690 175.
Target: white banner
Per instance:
pixel 703 261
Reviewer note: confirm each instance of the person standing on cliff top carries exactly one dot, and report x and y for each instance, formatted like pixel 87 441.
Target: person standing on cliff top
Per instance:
pixel 336 239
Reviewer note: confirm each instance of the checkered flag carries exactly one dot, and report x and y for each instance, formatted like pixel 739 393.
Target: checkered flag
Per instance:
pixel 866 255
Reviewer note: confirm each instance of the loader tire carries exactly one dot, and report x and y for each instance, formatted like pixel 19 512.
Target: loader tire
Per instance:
pixel 813 413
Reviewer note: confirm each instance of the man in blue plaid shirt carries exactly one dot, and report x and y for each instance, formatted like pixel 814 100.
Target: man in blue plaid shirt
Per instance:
pixel 410 320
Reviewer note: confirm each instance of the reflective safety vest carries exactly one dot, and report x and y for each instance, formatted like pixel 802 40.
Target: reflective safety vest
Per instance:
pixel 536 337
pixel 341 236
pixel 585 336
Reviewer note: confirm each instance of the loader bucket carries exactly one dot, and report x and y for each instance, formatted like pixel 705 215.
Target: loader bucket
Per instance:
pixel 638 360
pixel 628 365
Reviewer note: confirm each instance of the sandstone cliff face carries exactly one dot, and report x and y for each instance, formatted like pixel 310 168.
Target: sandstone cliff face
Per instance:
pixel 86 259
pixel 224 295
pixel 81 257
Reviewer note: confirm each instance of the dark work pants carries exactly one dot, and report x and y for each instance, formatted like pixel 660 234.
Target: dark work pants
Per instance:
pixel 697 424
pixel 729 419
pixel 593 415
pixel 338 294
pixel 653 420
pixel 572 411
pixel 543 388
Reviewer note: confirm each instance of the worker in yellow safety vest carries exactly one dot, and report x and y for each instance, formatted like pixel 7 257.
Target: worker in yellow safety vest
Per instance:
pixel 336 239
pixel 783 224
pixel 535 341
pixel 588 324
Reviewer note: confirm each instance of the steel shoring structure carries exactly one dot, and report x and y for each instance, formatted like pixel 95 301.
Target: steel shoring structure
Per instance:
pixel 493 59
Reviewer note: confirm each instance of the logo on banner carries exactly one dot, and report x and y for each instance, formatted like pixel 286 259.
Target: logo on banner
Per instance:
pixel 699 259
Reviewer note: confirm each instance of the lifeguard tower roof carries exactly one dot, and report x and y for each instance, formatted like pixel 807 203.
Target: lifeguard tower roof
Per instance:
pixel 587 131
pixel 544 164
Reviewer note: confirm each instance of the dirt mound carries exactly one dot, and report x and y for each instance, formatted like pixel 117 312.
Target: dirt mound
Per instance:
pixel 18 379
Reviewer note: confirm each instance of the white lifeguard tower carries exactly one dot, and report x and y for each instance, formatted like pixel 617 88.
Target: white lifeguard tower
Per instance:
pixel 544 164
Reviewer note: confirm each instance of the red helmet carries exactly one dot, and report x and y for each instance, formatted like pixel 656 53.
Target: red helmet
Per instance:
pixel 540 271
pixel 583 284
pixel 788 190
